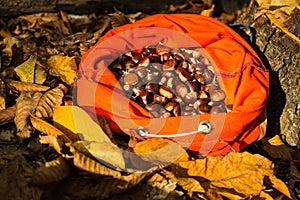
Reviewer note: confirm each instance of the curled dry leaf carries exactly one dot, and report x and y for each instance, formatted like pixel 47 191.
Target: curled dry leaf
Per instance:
pixel 48 102
pixel 53 171
pixel 63 66
pixel 25 103
pixel 28 87
pixel 239 174
pixel 7 114
pixel 99 145
pixel 88 164
pixel 44 127
pixel 160 151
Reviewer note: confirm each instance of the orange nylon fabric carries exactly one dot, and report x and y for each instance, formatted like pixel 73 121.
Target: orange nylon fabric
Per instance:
pixel 245 79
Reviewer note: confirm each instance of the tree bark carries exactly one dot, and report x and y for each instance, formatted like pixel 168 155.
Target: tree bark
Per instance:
pixel 281 54
pixel 10 8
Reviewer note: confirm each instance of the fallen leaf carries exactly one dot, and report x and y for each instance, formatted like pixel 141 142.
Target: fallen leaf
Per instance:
pixel 28 87
pixel 52 171
pixel 276 141
pixel 86 163
pixel 239 174
pixel 10 42
pixel 48 102
pixel 7 114
pixel 279 185
pixel 25 103
pixel 160 151
pixel 174 8
pixel 190 184
pixel 92 186
pixel 26 70
pixel 265 196
pixel 275 148
pixel 63 66
pixel 40 74
pixel 78 121
pixel 208 12
pixel 286 6
pixel 118 18
pixel 45 127
pixel 2 103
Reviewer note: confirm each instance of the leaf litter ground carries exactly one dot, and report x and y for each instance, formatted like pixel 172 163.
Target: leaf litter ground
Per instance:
pixel 42 157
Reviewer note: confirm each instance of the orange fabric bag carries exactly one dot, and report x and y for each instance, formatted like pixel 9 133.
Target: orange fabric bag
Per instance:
pixel 245 81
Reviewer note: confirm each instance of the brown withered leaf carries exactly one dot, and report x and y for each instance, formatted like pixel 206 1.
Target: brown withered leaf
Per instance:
pixel 48 102
pixel 93 186
pixel 88 164
pixel 174 8
pixel 34 17
pixel 44 127
pixel 25 103
pixel 65 18
pixel 14 182
pixel 118 18
pixel 189 184
pixel 52 171
pixel 7 114
pixel 236 174
pixel 28 87
pixel 160 151
pixel 159 187
pixel 275 148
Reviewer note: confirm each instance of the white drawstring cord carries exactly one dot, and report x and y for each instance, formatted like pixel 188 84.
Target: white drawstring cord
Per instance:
pixel 204 127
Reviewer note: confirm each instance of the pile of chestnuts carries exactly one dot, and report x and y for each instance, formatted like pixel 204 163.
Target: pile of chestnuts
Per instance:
pixel 170 82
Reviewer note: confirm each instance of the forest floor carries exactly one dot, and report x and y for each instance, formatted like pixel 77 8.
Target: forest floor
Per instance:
pixel 34 166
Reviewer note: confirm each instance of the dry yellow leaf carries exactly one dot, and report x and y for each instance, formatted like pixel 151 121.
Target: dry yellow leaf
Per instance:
pixel 265 196
pixel 208 12
pixel 276 141
pixel 160 151
pixel 280 186
pixel 40 74
pixel 286 6
pixel 10 42
pixel 63 66
pixel 26 70
pixel 97 142
pixel 236 173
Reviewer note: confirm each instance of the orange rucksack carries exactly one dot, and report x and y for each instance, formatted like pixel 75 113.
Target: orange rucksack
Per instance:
pixel 244 78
